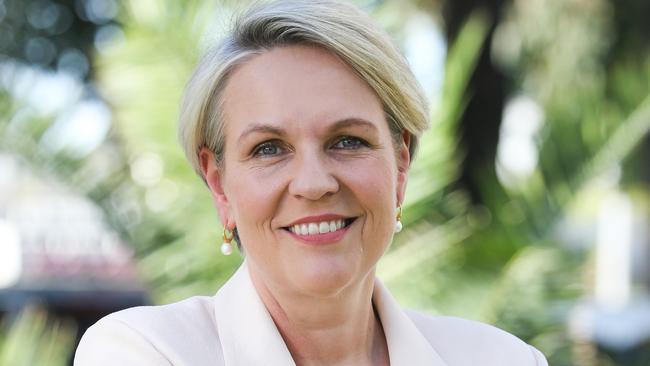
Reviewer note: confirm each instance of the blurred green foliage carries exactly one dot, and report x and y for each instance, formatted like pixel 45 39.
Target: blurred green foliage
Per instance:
pixel 35 338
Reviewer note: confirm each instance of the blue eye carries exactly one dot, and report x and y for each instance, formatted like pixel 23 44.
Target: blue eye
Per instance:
pixel 269 148
pixel 349 143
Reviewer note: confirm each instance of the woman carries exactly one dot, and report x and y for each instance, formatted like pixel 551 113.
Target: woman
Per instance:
pixel 302 123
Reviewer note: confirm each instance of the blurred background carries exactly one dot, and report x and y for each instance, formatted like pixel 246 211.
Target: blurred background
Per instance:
pixel 528 206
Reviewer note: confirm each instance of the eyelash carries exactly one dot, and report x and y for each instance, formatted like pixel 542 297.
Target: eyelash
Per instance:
pixel 271 143
pixel 276 143
pixel 362 142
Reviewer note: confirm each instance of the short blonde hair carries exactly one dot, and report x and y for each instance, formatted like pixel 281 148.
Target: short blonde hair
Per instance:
pixel 335 25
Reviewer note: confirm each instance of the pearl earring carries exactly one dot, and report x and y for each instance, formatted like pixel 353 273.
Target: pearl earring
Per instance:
pixel 398 222
pixel 226 247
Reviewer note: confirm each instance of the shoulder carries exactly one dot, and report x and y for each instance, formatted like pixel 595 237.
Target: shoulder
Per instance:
pixel 466 342
pixel 153 335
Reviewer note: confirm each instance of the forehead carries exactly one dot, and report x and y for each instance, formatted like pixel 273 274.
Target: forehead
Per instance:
pixel 297 86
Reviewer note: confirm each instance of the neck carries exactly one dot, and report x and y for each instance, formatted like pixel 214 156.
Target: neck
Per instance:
pixel 342 329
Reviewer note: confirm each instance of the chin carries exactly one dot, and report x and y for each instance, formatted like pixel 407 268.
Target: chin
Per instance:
pixel 324 277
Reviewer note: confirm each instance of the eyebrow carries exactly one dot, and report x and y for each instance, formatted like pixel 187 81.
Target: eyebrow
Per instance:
pixel 338 125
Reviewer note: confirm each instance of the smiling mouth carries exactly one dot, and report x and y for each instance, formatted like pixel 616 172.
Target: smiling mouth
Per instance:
pixel 321 227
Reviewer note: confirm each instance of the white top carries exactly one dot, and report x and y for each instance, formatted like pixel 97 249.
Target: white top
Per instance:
pixel 234 328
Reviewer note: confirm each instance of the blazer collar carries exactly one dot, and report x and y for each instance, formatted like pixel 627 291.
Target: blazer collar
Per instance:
pixel 249 336
pixel 406 345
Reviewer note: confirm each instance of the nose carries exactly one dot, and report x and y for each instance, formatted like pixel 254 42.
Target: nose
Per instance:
pixel 312 178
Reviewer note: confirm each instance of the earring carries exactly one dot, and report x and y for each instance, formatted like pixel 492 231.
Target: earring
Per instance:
pixel 398 222
pixel 226 247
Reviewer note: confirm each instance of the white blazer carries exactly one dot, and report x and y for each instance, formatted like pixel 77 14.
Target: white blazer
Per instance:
pixel 234 328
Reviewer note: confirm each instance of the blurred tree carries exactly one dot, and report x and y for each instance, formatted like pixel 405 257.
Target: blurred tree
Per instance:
pixel 480 123
pixel 56 34
pixel 630 50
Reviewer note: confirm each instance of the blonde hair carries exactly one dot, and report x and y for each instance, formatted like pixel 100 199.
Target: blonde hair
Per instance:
pixel 335 25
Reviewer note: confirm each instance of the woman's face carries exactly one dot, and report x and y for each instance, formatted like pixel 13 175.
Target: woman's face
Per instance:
pixel 311 176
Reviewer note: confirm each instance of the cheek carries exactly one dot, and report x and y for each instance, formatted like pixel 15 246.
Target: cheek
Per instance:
pixel 374 186
pixel 254 201
pixel 374 180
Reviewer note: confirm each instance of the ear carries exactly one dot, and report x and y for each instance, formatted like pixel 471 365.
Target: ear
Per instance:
pixel 403 164
pixel 214 180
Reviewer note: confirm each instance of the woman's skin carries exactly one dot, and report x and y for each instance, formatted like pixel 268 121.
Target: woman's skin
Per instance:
pixel 307 137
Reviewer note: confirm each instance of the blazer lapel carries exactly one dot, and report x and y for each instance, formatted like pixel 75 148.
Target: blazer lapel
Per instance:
pixel 247 332
pixel 249 336
pixel 406 345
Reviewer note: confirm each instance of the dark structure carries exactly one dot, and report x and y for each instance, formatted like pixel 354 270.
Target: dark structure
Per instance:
pixel 57 253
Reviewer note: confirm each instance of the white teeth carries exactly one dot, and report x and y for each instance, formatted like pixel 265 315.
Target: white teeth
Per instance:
pixel 324 227
pixel 314 228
